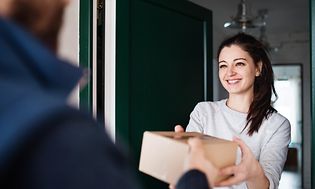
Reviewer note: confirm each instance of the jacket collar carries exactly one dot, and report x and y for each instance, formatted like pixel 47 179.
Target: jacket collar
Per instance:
pixel 24 58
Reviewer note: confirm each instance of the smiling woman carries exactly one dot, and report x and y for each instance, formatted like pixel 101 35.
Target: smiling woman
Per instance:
pixel 247 115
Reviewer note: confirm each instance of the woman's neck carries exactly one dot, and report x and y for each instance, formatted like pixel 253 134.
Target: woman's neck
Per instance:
pixel 239 103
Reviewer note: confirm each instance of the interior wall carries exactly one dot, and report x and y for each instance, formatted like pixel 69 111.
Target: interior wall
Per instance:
pixel 299 52
pixel 69 41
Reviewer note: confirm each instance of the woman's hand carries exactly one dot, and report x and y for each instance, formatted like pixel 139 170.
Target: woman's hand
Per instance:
pixel 178 129
pixel 249 170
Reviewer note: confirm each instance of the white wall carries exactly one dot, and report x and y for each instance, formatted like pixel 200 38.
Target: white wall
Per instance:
pixel 110 66
pixel 69 49
pixel 69 41
pixel 296 49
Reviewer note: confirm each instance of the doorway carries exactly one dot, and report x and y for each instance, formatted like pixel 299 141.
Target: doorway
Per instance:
pixel 288 84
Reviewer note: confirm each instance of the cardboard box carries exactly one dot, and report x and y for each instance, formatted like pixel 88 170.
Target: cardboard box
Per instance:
pixel 163 153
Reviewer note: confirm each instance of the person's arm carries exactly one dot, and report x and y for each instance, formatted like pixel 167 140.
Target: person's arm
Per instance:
pixel 193 179
pixel 195 122
pixel 75 153
pixel 274 153
pixel 265 173
pixel 200 172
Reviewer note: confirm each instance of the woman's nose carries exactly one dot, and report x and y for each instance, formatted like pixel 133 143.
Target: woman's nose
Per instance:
pixel 230 70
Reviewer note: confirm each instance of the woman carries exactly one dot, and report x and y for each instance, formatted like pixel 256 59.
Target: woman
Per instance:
pixel 247 116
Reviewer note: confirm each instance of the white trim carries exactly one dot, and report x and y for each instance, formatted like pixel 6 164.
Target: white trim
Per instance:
pixel 94 59
pixel 110 67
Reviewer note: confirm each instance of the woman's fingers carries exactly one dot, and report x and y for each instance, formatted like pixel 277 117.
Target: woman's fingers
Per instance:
pixel 179 129
pixel 231 170
pixel 243 147
pixel 233 174
pixel 230 181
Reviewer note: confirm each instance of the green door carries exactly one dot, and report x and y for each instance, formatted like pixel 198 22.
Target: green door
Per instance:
pixel 86 50
pixel 163 63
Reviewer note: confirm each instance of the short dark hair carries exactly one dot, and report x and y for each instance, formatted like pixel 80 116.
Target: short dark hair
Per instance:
pixel 41 18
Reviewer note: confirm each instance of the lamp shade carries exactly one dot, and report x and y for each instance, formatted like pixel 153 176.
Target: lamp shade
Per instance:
pixel 243 19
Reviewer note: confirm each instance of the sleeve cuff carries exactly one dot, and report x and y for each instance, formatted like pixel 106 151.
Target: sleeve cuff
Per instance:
pixel 193 179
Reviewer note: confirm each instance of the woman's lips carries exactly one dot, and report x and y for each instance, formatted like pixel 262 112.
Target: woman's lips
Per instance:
pixel 233 81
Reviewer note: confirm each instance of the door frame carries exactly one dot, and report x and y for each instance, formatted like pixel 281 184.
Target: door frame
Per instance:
pixel 312 47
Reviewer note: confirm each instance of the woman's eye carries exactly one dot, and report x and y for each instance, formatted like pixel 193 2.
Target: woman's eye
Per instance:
pixel 240 64
pixel 222 66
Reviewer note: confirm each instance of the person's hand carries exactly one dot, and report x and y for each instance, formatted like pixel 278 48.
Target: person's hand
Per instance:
pixel 197 160
pixel 179 129
pixel 248 170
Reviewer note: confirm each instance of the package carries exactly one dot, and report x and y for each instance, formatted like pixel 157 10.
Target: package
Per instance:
pixel 163 153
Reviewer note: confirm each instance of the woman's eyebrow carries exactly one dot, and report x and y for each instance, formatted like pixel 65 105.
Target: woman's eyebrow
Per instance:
pixel 221 61
pixel 236 59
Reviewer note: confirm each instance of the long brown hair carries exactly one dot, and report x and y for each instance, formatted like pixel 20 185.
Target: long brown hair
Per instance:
pixel 261 107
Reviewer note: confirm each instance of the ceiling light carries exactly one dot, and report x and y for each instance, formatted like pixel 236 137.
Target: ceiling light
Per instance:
pixel 243 19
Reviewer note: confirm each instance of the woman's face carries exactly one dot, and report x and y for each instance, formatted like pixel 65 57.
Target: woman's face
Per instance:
pixel 237 71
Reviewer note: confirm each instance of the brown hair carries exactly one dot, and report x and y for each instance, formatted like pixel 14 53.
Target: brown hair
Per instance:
pixel 261 107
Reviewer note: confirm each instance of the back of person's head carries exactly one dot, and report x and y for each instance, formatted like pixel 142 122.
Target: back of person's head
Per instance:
pixel 261 106
pixel 43 18
pixel 5 7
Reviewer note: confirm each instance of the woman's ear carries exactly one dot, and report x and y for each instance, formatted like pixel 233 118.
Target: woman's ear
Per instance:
pixel 258 69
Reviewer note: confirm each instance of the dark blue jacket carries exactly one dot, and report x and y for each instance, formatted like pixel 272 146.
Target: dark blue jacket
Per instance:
pixel 43 142
pixel 34 85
